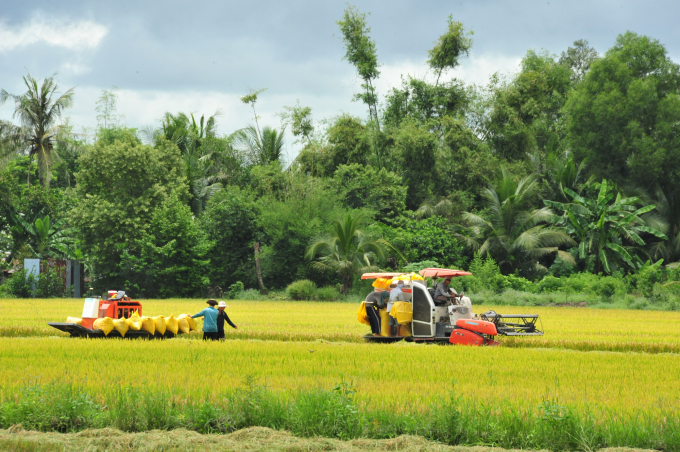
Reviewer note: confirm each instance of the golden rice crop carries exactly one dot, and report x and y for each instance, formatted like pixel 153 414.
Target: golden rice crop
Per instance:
pixel 571 328
pixel 406 375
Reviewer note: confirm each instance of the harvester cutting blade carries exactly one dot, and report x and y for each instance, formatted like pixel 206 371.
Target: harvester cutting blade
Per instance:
pixel 514 324
pixel 71 328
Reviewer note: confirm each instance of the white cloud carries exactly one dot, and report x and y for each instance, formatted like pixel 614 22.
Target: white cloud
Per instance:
pixel 478 69
pixel 474 70
pixel 54 32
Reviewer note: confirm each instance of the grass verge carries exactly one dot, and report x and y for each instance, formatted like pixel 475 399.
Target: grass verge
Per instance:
pixel 453 420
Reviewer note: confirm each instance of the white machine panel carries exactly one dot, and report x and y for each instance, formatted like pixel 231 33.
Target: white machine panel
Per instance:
pixel 91 308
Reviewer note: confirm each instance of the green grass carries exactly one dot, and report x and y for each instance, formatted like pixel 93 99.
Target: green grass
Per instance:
pixel 453 420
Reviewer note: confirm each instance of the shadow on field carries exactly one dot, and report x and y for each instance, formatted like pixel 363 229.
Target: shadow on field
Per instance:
pixel 250 439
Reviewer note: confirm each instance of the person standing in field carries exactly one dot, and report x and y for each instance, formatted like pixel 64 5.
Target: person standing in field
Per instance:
pixel 221 318
pixel 396 294
pixel 209 315
pixel 375 301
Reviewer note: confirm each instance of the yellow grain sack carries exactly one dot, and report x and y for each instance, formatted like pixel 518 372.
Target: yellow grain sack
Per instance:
pixel 75 320
pixel 171 324
pixel 403 312
pixel 193 325
pixel 148 325
pixel 160 324
pixel 384 323
pixel 183 325
pixel 362 315
pixel 382 283
pixel 405 330
pixel 134 321
pixel 121 326
pixel 105 324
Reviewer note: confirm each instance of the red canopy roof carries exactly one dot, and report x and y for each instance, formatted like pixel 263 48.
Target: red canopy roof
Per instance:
pixel 443 272
pixel 380 275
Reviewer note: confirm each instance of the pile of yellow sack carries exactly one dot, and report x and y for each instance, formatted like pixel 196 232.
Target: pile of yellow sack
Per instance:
pixel 183 323
pixel 385 283
pixel 401 310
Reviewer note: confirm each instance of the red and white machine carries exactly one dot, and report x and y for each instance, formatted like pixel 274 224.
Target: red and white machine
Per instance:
pixel 453 321
pixel 115 305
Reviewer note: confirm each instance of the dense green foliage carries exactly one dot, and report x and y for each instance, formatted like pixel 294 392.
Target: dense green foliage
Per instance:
pixel 567 167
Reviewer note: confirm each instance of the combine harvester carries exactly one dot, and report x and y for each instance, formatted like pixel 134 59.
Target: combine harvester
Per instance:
pixel 451 321
pixel 118 316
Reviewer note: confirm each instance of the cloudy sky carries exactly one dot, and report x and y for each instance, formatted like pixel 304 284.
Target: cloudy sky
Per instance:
pixel 201 56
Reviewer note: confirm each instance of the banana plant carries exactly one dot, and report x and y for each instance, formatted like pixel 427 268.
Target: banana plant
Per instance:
pixel 49 237
pixel 608 228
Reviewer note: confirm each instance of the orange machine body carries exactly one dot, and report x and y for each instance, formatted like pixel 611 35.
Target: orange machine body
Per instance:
pixel 478 326
pixel 115 309
pixel 460 336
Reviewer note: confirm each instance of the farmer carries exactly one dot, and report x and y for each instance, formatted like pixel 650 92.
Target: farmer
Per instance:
pixel 221 317
pixel 209 315
pixel 396 294
pixel 443 292
pixel 374 301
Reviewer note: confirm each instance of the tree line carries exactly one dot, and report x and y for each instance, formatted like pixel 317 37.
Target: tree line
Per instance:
pixel 569 165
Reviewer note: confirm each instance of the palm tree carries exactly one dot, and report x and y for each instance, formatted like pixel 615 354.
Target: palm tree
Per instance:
pixel 429 208
pixel 608 231
pixel 188 135
pixel 38 112
pixel 185 132
pixel 347 251
pixel 511 233
pixel 10 141
pixel 665 218
pixel 260 149
pixel 564 172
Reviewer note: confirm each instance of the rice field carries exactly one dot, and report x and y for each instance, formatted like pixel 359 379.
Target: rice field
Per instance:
pixel 609 367
pixel 568 328
pixel 400 375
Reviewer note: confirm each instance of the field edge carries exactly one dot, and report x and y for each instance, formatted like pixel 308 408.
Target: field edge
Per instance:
pixel 249 439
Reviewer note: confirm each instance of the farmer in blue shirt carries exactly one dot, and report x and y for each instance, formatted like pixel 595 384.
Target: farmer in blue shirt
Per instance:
pixel 209 315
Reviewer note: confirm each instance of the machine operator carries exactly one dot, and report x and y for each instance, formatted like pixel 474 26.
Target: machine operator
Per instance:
pixel 443 292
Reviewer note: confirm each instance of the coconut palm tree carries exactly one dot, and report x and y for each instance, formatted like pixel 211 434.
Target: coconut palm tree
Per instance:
pixel 431 207
pixel 38 111
pixel 188 134
pixel 511 233
pixel 348 250
pixel 10 141
pixel 665 218
pixel 564 172
pixel 260 149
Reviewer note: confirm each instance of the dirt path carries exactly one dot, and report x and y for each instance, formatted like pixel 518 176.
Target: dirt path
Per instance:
pixel 251 439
